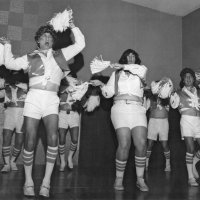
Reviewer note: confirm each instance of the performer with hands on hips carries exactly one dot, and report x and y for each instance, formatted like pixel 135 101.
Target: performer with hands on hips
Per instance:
pixel 45 68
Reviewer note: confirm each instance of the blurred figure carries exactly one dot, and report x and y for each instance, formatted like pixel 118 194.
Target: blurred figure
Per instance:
pixel 16 87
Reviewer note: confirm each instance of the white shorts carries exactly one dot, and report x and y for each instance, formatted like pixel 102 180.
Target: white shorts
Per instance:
pixel 41 103
pixel 158 127
pixel 128 115
pixel 14 119
pixel 190 126
pixel 68 120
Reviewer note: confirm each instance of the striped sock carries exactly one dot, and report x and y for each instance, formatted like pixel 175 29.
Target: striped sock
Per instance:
pixel 15 152
pixel 120 167
pixel 189 163
pixel 140 165
pixel 61 149
pixel 73 146
pixel 28 157
pixel 6 151
pixel 51 154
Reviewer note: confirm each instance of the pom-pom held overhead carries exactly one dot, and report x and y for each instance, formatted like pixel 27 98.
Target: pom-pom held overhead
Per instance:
pixel 98 65
pixel 61 20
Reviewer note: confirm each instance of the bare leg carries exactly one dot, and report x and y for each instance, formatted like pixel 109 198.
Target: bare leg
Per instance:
pixel 31 127
pixel 7 138
pixel 74 132
pixel 167 155
pixel 189 160
pixel 139 135
pixel 124 143
pixel 19 139
pixel 51 126
pixel 61 147
pixel 150 144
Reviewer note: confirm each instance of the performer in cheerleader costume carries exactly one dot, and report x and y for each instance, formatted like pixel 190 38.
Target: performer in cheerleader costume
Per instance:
pixel 128 114
pixel 158 126
pixel 69 119
pixel 45 69
pixel 187 100
pixel 16 86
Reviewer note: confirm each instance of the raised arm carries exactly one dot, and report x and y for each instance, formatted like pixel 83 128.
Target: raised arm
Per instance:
pixel 79 43
pixel 14 63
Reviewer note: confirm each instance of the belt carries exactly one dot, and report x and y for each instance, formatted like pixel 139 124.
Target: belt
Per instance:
pixel 127 101
pixel 65 107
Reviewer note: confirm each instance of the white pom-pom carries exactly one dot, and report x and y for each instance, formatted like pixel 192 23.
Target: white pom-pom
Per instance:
pixel 92 103
pixel 60 21
pixel 163 88
pixel 79 91
pixel 98 65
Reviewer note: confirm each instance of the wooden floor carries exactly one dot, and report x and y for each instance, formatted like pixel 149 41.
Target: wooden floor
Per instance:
pixel 93 184
pixel 94 177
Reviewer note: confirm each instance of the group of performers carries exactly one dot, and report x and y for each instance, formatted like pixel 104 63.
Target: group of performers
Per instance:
pixel 48 94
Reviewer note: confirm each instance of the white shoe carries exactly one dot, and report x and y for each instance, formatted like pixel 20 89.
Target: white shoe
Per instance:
pixel 44 190
pixel 70 164
pixel 29 190
pixel 13 166
pixel 142 185
pixel 194 169
pixel 192 182
pixel 118 185
pixel 5 169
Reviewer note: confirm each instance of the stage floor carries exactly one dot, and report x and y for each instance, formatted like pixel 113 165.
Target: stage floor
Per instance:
pixel 97 184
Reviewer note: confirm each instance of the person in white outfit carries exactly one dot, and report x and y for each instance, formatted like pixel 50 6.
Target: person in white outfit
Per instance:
pixel 128 114
pixel 158 127
pixel 187 100
pixel 45 68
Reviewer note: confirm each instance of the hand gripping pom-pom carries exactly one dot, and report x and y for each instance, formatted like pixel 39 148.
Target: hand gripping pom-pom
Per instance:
pixel 61 20
pixel 98 65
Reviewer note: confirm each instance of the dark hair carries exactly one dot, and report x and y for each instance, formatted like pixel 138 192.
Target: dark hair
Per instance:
pixel 123 59
pixel 45 29
pixel 183 73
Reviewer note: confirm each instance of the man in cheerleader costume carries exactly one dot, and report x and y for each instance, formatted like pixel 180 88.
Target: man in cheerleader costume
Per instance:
pixel 16 86
pixel 128 114
pixel 69 119
pixel 158 125
pixel 45 69
pixel 187 100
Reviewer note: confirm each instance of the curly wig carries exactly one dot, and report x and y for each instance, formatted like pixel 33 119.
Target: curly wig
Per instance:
pixel 183 73
pixel 45 29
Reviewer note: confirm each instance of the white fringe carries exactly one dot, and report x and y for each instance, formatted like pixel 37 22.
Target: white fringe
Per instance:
pixel 92 103
pixel 60 21
pixel 98 65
